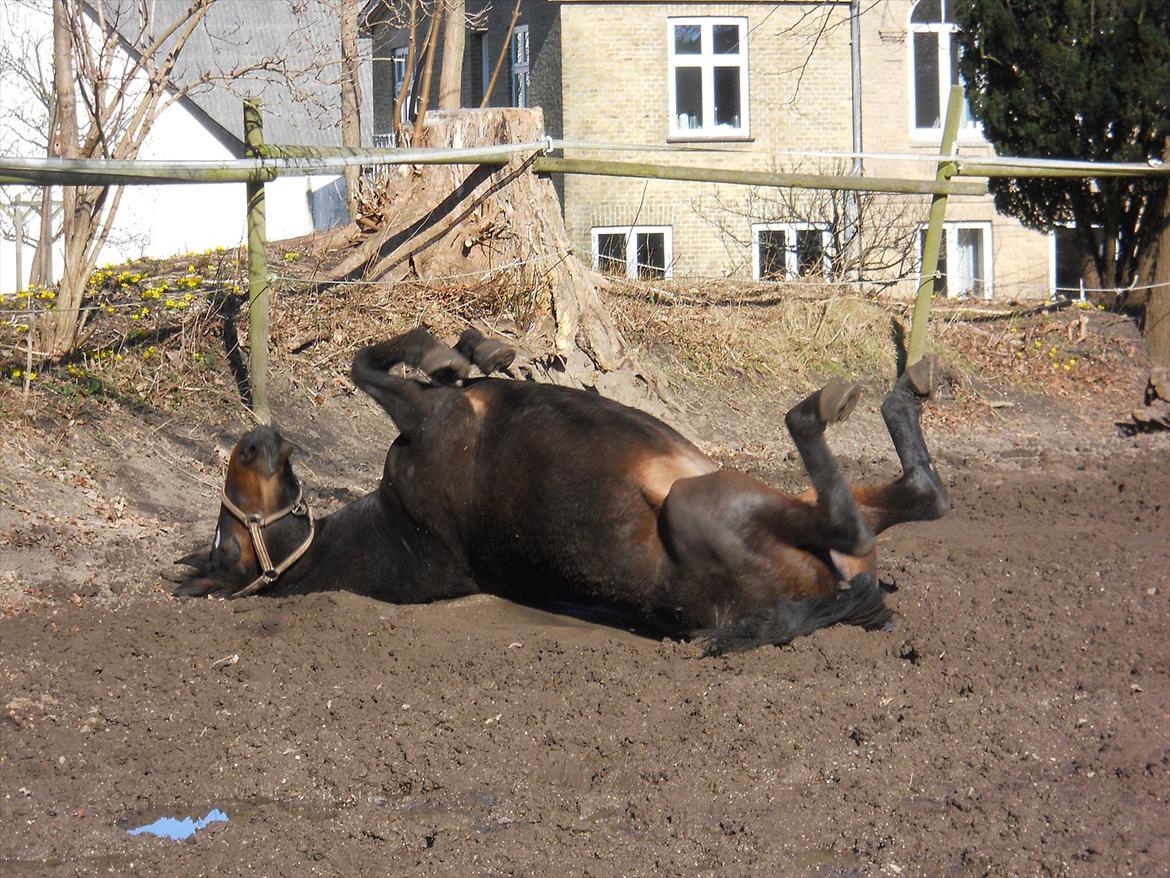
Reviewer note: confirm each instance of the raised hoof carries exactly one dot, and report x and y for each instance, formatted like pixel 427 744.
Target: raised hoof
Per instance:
pixel 923 376
pixel 444 365
pixel 489 354
pixel 835 401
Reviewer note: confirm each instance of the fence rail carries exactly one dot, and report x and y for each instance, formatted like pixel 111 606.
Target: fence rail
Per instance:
pixel 267 162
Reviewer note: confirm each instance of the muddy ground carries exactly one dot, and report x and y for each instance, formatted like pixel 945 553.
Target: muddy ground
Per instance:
pixel 1014 721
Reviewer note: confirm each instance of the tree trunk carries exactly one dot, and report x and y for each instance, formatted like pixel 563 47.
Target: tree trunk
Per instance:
pixel 407 89
pixel 428 62
pixel 76 218
pixel 350 98
pixel 1157 326
pixel 451 72
pixel 460 221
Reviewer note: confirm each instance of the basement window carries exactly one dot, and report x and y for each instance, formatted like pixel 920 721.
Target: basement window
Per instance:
pixel 964 261
pixel 643 252
pixel 708 77
pixel 784 251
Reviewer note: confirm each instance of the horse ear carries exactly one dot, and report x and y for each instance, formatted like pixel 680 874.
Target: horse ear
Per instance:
pixel 286 450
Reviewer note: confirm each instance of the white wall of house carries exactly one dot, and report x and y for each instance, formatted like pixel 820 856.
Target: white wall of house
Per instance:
pixel 156 221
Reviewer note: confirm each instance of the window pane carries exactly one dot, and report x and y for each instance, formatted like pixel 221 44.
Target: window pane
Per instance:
pixel 968 279
pixel 966 120
pixel 611 253
pixel 810 252
pixel 520 88
pixel 727 97
pixel 726 39
pixel 651 254
pixel 687 39
pixel 688 97
pixel 927 12
pixel 926 103
pixel 772 255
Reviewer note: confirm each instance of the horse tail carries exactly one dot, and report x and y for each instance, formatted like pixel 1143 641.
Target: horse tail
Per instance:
pixel 861 604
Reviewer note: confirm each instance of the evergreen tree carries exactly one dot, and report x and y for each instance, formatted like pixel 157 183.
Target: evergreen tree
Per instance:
pixel 1077 79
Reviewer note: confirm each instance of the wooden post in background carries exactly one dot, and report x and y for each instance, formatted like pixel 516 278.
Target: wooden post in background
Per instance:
pixel 257 270
pixel 934 232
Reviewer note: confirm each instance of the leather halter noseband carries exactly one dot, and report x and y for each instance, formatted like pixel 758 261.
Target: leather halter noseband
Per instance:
pixel 255 523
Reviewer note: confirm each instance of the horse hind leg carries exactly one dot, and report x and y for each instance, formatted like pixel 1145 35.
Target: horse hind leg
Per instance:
pixel 918 494
pixel 840 523
pixel 404 398
pixel 489 354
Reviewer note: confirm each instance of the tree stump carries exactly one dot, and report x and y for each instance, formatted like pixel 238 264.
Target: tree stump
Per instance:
pixel 439 222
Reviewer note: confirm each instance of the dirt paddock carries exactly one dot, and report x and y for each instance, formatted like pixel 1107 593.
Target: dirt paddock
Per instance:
pixel 1014 720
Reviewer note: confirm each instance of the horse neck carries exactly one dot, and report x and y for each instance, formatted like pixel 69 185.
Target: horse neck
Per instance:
pixel 350 550
pixel 373 546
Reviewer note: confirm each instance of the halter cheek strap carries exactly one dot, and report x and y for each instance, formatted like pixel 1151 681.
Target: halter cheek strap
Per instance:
pixel 255 523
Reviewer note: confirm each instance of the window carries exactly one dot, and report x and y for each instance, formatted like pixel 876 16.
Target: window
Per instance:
pixel 1071 263
pixel 964 260
pixel 633 251
pixel 708 77
pixel 788 250
pixel 520 66
pixel 934 68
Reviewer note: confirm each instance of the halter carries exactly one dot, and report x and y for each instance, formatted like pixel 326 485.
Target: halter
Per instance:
pixel 255 522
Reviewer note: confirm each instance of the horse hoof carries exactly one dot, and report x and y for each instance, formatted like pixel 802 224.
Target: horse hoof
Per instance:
pixel 923 376
pixel 489 354
pixel 835 401
pixel 445 365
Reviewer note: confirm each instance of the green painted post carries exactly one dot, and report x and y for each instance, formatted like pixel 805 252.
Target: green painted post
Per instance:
pixel 257 270
pixel 934 232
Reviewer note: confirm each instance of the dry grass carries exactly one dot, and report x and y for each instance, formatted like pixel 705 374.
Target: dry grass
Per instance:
pixel 718 334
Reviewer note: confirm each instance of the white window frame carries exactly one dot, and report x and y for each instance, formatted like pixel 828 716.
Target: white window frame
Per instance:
pixel 951 242
pixel 520 55
pixel 631 233
pixel 706 61
pixel 970 129
pixel 791 254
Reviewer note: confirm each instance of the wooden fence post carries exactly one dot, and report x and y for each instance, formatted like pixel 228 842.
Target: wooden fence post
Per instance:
pixel 934 231
pixel 257 269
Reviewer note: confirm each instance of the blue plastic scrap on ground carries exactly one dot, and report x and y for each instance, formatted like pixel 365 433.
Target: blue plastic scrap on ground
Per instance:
pixel 177 830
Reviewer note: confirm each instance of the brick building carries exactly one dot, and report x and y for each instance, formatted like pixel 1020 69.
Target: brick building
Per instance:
pixel 756 86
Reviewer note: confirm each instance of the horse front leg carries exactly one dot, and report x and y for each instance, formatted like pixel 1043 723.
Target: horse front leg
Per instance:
pixel 840 523
pixel 918 494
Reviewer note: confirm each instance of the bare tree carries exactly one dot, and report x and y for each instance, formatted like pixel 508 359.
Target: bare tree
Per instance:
pixel 878 245
pixel 454 40
pixel 115 67
pixel 351 131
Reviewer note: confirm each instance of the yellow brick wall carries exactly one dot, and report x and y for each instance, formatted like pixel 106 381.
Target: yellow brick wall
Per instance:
pixel 614 73
pixel 615 67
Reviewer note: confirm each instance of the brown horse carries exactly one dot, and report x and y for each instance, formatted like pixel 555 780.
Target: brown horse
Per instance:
pixel 539 493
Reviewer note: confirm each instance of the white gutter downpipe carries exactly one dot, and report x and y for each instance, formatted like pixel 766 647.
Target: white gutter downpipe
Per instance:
pixel 855 75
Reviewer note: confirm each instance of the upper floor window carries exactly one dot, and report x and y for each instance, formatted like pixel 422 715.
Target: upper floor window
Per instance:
pixel 520 66
pixel 934 68
pixel 708 77
pixel 783 251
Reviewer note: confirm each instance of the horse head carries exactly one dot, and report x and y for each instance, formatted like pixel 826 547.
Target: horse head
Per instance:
pixel 264 524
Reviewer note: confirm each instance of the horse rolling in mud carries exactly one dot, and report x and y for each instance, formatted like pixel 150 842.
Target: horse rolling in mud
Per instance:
pixel 543 493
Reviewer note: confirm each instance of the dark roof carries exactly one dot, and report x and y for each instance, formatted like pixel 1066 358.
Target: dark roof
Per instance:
pixel 288 51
